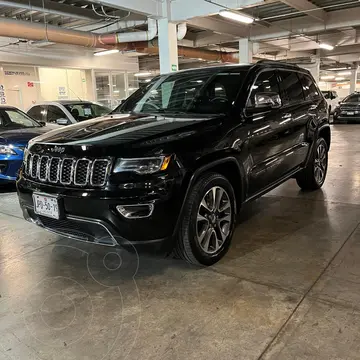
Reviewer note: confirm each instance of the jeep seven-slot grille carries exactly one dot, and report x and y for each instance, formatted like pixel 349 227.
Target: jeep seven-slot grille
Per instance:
pixel 67 170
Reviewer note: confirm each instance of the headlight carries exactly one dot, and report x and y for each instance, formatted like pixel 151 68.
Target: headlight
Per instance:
pixel 142 166
pixel 7 150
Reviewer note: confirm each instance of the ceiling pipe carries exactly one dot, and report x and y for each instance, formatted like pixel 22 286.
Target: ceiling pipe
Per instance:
pixel 38 32
pixel 181 31
pixel 116 38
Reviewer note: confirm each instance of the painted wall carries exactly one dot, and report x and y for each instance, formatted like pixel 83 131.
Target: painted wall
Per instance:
pixel 62 84
pixel 20 85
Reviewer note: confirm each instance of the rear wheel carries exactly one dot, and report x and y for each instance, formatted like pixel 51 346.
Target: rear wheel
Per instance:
pixel 208 221
pixel 313 176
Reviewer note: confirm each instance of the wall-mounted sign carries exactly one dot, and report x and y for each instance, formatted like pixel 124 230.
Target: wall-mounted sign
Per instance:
pixel 174 67
pixel 62 93
pixel 16 73
pixel 2 95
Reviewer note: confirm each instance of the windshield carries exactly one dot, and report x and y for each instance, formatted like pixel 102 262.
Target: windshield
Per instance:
pixel 15 119
pixel 86 111
pixel 352 99
pixel 203 92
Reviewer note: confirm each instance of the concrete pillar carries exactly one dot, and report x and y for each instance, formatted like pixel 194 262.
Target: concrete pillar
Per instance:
pixel 245 51
pixel 353 79
pixel 168 50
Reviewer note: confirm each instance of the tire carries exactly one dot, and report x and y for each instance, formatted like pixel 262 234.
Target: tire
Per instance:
pixel 314 175
pixel 191 243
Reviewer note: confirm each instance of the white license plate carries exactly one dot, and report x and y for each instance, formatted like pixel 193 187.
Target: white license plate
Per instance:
pixel 350 113
pixel 46 205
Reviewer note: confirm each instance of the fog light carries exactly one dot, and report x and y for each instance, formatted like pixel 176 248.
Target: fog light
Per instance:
pixel 137 211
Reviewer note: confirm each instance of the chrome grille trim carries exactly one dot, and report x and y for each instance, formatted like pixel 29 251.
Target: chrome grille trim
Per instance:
pixel 34 165
pixel 88 168
pixel 46 166
pixel 107 171
pixel 67 171
pixel 73 161
pixel 58 167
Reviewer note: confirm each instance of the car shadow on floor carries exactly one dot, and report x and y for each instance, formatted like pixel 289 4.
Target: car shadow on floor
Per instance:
pixel 7 188
pixel 260 224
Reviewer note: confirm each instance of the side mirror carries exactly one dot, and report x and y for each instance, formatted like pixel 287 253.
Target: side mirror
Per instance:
pixel 62 121
pixel 42 123
pixel 268 100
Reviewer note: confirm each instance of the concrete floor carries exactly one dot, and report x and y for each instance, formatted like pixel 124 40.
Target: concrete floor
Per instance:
pixel 289 288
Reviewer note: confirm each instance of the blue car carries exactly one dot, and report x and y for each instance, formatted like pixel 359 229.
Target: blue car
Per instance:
pixel 16 129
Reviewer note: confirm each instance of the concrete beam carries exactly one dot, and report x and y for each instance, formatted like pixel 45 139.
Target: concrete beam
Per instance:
pixel 305 25
pixel 186 9
pixel 307 7
pixel 214 39
pixel 145 7
pixel 220 26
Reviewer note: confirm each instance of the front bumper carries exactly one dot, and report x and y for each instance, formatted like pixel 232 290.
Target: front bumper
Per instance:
pixel 347 119
pixel 9 168
pixel 92 216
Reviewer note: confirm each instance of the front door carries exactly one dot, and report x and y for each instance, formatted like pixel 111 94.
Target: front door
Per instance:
pixel 263 136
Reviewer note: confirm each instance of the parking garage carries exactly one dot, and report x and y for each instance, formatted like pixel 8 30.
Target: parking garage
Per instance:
pixel 179 179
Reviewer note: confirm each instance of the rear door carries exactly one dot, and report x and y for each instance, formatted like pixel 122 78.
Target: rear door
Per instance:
pixel 54 113
pixel 296 112
pixel 37 112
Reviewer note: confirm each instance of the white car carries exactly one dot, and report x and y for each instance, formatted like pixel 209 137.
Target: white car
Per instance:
pixel 66 112
pixel 332 99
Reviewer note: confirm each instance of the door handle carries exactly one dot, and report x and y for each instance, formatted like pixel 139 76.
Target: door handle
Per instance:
pixel 286 116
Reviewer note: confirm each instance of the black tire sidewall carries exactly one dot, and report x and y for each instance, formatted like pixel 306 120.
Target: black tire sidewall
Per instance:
pixel 190 229
pixel 318 142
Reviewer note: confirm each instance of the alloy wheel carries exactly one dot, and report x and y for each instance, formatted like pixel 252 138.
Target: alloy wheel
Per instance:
pixel 320 163
pixel 213 224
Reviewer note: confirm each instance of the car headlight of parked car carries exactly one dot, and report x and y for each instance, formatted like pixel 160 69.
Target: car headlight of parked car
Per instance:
pixel 7 150
pixel 142 166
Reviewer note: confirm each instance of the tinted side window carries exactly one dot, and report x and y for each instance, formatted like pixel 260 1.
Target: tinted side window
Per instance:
pixel 36 112
pixel 266 82
pixel 291 87
pixel 310 89
pixel 54 113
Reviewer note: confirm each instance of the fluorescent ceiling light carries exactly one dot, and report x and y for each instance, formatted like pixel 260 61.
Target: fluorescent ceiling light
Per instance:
pixel 328 77
pixel 236 16
pixel 339 68
pixel 106 52
pixel 326 46
pixel 143 74
pixel 344 73
pixel 339 78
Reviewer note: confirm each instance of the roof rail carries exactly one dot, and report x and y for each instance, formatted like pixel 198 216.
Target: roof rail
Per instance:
pixel 277 63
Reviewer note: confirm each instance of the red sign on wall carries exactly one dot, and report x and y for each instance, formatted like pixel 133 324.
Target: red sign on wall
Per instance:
pixel 30 84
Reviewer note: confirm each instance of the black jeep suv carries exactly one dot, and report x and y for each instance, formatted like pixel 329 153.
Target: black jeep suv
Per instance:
pixel 171 167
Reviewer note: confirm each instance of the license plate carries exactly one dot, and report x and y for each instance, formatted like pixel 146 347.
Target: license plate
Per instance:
pixel 46 205
pixel 350 113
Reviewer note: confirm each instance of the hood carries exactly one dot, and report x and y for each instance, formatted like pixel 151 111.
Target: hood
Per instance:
pixel 122 129
pixel 22 136
pixel 348 105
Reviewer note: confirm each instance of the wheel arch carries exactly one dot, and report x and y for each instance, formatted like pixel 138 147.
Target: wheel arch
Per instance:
pixel 325 133
pixel 228 167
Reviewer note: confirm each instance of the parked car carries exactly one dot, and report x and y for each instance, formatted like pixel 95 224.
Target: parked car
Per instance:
pixel 16 129
pixel 332 99
pixel 66 112
pixel 348 109
pixel 171 167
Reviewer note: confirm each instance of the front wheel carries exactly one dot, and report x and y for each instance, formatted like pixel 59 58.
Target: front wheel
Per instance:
pixel 208 221
pixel 313 176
